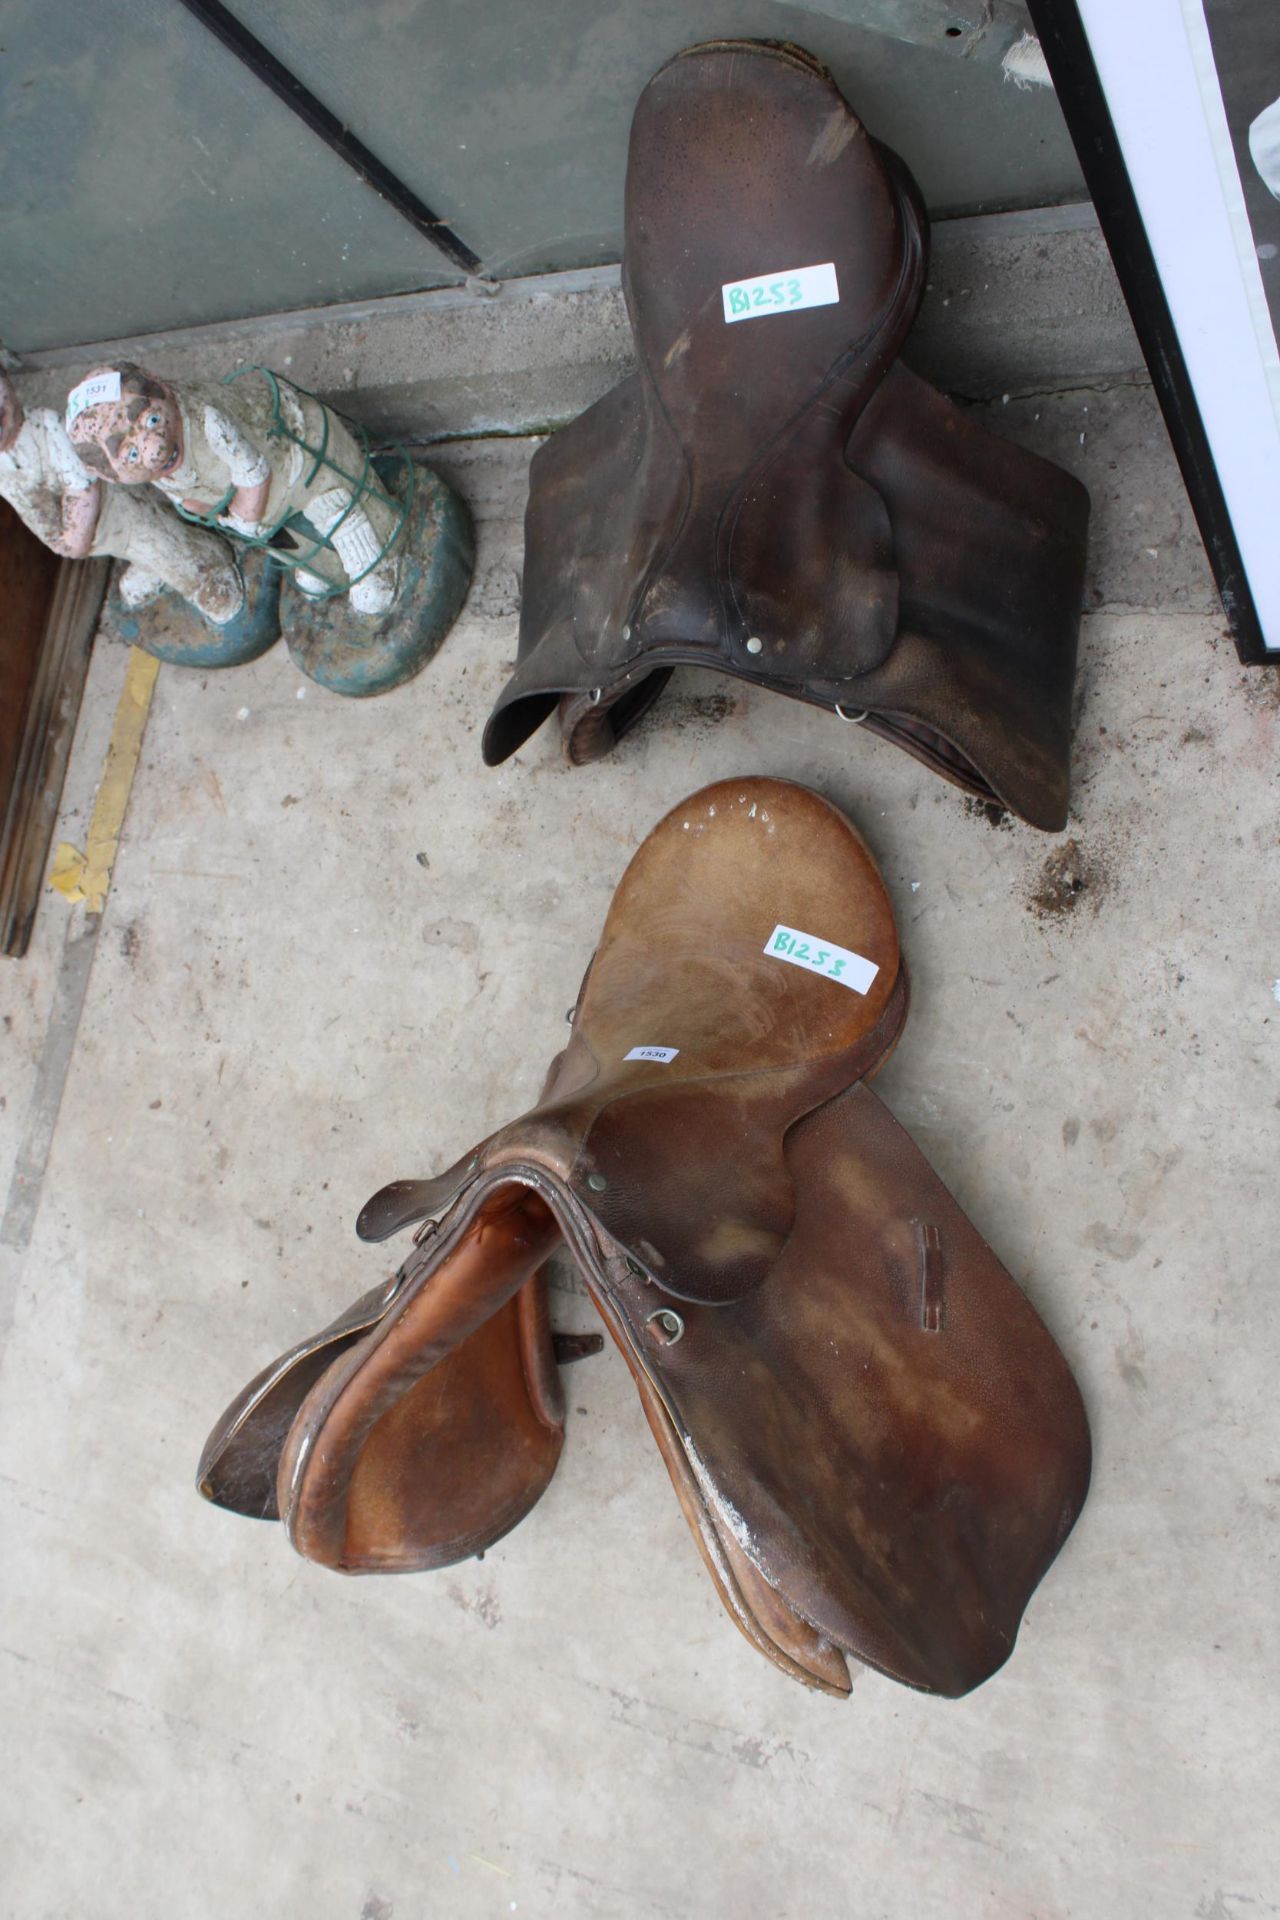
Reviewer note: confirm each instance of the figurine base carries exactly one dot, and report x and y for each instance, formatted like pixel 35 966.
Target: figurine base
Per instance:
pixel 363 654
pixel 171 629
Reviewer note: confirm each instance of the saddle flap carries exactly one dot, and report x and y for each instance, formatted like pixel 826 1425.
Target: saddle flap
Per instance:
pixel 761 1614
pixel 886 1425
pixel 979 684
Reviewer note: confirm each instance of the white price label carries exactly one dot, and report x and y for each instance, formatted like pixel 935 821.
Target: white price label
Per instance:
pixel 663 1054
pixel 789 292
pixel 93 392
pixel 820 956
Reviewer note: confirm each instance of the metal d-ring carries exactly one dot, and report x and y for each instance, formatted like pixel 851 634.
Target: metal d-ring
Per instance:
pixel 852 719
pixel 670 1321
pixel 597 695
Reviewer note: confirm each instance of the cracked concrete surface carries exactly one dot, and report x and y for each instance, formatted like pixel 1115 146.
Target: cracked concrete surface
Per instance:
pixel 337 949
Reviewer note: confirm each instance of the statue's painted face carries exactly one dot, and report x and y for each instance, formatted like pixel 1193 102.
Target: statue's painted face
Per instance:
pixel 147 442
pixel 125 424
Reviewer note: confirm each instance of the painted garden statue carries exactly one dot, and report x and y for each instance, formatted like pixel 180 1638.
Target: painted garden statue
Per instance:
pixel 379 548
pixel 68 506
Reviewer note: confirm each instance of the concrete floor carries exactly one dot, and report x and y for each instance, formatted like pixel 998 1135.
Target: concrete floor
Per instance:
pixel 337 950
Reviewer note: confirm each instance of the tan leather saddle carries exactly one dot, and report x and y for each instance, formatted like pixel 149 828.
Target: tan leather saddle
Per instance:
pixel 773 494
pixel 874 1439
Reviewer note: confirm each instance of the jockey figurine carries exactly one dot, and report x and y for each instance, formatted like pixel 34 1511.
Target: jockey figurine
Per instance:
pixel 257 457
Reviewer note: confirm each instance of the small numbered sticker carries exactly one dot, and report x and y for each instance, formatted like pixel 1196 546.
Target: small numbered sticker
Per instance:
pixel 836 963
pixel 100 387
pixel 788 292
pixel 664 1054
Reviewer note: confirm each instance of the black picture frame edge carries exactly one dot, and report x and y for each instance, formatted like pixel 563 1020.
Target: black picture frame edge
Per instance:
pixel 1070 60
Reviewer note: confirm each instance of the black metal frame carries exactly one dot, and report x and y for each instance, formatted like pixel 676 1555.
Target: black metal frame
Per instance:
pixel 1075 77
pixel 313 113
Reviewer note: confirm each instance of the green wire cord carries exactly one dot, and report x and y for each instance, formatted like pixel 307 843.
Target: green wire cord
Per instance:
pixel 364 485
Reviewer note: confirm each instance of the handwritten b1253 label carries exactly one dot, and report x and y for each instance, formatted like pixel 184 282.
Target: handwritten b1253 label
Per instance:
pixel 834 963
pixel 664 1054
pixel 788 292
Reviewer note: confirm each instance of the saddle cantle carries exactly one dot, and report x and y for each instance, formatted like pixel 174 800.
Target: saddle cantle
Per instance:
pixel 874 1439
pixel 773 494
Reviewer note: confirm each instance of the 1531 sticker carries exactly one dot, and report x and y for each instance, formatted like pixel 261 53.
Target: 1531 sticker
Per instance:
pixel 99 387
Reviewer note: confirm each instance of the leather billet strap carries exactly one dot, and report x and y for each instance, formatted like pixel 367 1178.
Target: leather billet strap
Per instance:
pixel 775 496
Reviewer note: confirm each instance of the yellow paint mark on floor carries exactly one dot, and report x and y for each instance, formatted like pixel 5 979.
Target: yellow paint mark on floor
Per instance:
pixel 87 876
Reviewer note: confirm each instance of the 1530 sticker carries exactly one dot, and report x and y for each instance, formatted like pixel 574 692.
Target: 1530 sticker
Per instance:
pixel 819 956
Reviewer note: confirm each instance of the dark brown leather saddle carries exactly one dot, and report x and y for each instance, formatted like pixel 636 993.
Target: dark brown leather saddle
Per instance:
pixel 773 494
pixel 874 1439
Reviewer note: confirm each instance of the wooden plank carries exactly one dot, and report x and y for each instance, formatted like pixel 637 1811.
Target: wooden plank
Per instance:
pixel 48 615
pixel 27 574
